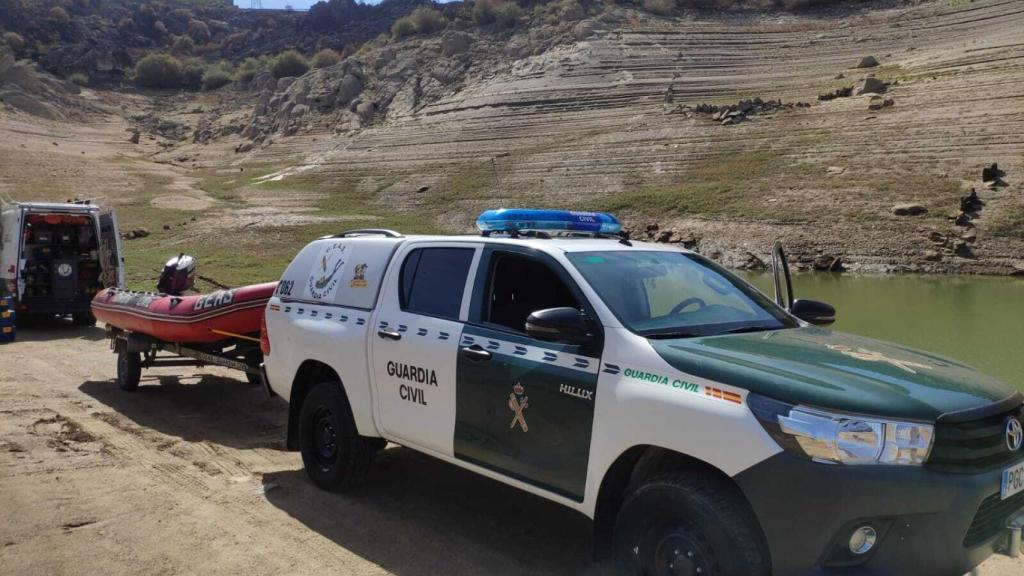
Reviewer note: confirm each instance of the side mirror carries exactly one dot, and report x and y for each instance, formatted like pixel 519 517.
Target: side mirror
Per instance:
pixel 814 312
pixel 560 325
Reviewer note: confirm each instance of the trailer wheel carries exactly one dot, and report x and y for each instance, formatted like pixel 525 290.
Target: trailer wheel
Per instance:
pixel 129 370
pixel 336 458
pixel 688 524
pixel 254 358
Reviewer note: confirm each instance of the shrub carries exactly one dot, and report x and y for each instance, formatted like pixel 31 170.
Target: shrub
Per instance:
pixel 58 15
pixel 160 28
pixel 199 31
pixel 661 7
pixel 14 40
pixel 183 46
pixel 484 12
pixel 158 71
pixel 248 69
pixel 125 25
pixel 192 75
pixel 506 14
pixel 216 78
pixel 403 27
pixel 289 63
pixel 427 20
pixel 79 79
pixel 325 58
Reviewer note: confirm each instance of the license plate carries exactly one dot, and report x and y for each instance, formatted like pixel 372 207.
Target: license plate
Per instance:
pixel 1013 481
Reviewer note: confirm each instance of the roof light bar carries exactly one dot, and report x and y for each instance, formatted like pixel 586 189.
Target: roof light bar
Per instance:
pixel 516 219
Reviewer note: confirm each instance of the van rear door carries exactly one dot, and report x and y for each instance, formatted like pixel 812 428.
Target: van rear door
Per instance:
pixel 10 248
pixel 111 253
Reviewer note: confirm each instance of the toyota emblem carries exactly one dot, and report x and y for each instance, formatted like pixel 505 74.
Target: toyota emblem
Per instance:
pixel 1014 434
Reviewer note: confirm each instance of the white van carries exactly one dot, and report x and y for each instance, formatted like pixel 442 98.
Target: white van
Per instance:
pixel 54 257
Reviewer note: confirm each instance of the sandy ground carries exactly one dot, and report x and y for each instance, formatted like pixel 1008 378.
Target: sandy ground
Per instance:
pixel 188 476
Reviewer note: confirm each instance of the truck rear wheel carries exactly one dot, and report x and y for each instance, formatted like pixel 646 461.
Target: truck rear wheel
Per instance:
pixel 684 524
pixel 129 370
pixel 336 458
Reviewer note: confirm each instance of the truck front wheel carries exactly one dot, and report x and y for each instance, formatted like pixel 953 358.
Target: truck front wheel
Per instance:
pixel 336 458
pixel 683 524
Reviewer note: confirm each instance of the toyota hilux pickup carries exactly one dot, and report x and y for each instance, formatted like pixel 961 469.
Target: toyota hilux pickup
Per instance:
pixel 703 426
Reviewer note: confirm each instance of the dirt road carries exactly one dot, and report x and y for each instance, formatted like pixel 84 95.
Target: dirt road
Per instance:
pixel 188 476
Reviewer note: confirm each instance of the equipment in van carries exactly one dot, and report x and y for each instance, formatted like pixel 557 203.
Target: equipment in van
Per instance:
pixel 54 257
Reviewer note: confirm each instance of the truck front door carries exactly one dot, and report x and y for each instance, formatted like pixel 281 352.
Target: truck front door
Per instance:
pixel 414 343
pixel 525 407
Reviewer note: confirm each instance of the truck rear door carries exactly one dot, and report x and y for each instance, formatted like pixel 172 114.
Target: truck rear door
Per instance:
pixel 111 254
pixel 415 342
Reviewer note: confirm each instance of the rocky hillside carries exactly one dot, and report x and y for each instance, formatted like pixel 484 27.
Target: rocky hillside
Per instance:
pixel 722 131
pixel 103 39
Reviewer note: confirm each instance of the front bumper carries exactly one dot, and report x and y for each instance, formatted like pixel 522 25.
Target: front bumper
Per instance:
pixel 807 511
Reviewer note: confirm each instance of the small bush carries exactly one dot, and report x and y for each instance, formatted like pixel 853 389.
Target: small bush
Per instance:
pixel 427 20
pixel 58 15
pixel 484 12
pixel 183 46
pixel 506 14
pixel 403 27
pixel 248 69
pixel 198 31
pixel 216 78
pixel 289 63
pixel 192 75
pixel 660 7
pixel 158 71
pixel 325 58
pixel 160 28
pixel 14 40
pixel 79 79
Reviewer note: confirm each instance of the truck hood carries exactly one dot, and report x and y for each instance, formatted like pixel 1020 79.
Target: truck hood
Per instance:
pixel 832 370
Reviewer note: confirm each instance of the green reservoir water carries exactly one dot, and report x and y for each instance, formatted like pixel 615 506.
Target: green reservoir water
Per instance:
pixel 979 321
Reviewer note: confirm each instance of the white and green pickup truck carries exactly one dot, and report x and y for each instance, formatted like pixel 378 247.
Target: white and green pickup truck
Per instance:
pixel 705 428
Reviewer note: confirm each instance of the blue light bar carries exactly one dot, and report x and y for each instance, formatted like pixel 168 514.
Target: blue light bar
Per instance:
pixel 507 220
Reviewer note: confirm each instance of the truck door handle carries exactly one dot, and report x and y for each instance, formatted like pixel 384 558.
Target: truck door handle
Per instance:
pixel 389 335
pixel 476 353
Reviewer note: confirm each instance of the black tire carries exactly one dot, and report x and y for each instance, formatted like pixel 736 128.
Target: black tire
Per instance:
pixel 688 524
pixel 335 456
pixel 129 370
pixel 254 358
pixel 83 319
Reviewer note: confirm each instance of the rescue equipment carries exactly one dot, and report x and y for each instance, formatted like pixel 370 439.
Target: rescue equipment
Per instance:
pixel 7 328
pixel 197 318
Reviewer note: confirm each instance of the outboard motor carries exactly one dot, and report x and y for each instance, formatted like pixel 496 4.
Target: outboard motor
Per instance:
pixel 178 276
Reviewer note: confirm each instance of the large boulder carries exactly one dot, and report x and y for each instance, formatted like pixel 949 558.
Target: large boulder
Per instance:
pixel 349 87
pixel 867 62
pixel 872 85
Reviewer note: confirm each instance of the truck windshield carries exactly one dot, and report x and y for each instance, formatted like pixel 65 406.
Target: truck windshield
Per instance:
pixel 677 295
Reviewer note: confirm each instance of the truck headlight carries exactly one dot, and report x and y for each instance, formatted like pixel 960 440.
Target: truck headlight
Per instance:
pixel 844 438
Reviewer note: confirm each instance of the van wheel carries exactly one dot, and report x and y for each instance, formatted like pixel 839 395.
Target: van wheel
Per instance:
pixel 685 524
pixel 83 319
pixel 335 456
pixel 129 370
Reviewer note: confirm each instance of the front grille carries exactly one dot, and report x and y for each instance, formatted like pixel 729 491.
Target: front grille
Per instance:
pixel 991 518
pixel 974 445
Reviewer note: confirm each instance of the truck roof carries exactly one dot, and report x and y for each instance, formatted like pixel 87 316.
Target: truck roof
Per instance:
pixel 63 206
pixel 563 244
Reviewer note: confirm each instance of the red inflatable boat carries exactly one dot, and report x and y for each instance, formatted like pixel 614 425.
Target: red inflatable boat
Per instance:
pixel 199 318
